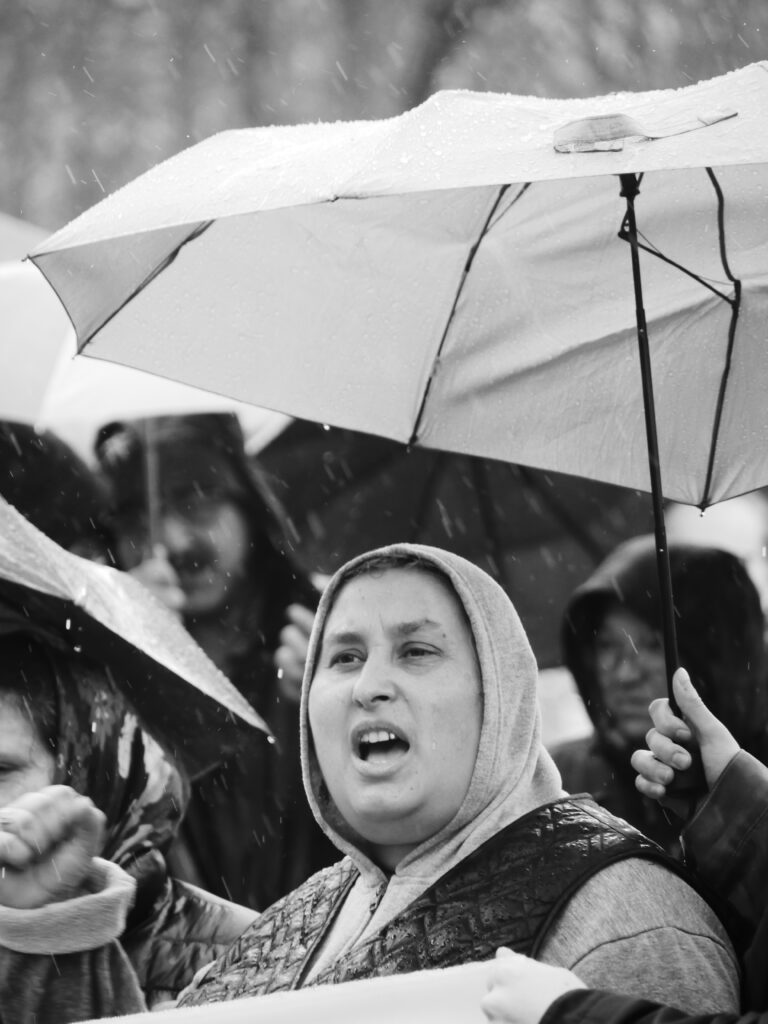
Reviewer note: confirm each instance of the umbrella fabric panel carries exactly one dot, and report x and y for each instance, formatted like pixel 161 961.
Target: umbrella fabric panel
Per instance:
pixel 347 492
pixel 96 280
pixel 335 312
pixel 84 394
pixel 742 456
pixel 545 331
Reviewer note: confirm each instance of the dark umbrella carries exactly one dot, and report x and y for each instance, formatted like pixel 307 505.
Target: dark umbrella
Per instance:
pixel 108 617
pixel 539 533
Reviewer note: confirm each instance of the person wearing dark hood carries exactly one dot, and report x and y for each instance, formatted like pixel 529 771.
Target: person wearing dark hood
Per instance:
pixel 70 744
pixel 208 531
pixel 422 760
pixel 54 489
pixel 612 644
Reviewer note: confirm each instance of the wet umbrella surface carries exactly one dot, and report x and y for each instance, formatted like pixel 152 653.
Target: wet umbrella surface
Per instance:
pixel 106 615
pixel 449 278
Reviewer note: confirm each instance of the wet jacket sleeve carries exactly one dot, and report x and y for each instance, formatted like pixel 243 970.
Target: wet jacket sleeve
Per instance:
pixel 63 962
pixel 726 843
pixel 595 1007
pixel 639 929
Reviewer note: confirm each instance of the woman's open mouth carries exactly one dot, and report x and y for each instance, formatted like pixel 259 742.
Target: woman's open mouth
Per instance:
pixel 378 744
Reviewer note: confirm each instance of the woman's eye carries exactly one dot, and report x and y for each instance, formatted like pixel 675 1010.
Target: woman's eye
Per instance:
pixel 418 652
pixel 345 658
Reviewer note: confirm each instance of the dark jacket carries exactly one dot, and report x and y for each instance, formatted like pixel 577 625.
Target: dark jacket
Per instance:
pixel 452 922
pixel 727 845
pixel 248 834
pixel 720 640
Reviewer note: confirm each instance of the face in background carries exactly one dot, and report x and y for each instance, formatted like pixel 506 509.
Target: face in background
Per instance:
pixel 207 540
pixel 26 763
pixel 395 708
pixel 630 670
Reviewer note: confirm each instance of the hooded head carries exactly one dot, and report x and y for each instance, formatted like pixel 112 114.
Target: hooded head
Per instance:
pixel 217 518
pixel 719 635
pixel 72 724
pixel 420 723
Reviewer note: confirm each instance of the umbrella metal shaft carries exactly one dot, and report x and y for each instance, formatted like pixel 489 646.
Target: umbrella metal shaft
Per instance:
pixel 629 189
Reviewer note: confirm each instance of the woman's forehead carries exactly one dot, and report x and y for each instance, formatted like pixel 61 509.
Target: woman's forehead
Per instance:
pixel 401 594
pixel 622 620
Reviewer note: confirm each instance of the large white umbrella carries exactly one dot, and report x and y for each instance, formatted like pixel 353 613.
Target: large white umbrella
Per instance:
pixel 450 278
pixel 82 395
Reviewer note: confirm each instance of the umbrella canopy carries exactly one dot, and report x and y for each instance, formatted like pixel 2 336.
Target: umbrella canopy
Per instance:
pixel 539 533
pixel 82 395
pixel 448 278
pixel 176 691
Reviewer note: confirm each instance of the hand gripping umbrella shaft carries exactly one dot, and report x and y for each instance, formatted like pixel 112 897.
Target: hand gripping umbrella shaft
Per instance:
pixel 630 187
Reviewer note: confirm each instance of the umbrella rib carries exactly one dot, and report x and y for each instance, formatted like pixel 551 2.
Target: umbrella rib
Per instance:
pixel 163 265
pixel 735 308
pixel 467 267
pixel 651 249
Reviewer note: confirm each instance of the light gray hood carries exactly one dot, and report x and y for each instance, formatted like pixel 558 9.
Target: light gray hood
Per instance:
pixel 513 772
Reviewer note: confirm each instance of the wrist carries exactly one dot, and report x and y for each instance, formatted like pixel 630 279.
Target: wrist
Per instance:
pixel 75 924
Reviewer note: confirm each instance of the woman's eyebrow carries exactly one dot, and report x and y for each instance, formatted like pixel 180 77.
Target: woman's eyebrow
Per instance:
pixel 408 628
pixel 348 636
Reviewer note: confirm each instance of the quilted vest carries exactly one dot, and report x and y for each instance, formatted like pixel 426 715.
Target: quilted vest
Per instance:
pixel 508 892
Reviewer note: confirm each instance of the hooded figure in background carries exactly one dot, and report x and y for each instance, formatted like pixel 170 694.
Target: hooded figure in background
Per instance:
pixel 63 721
pixel 612 644
pixel 218 542
pixel 423 763
pixel 52 487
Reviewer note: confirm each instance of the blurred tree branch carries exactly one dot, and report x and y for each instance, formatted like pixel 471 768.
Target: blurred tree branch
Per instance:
pixel 94 92
pixel 444 24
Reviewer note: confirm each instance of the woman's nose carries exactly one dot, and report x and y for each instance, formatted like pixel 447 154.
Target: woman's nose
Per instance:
pixel 628 668
pixel 175 533
pixel 373 684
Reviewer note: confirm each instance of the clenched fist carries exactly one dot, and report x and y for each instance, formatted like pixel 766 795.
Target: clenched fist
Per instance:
pixel 48 840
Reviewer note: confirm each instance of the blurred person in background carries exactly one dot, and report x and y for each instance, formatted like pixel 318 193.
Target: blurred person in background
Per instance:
pixel 612 644
pixel 74 763
pixel 220 560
